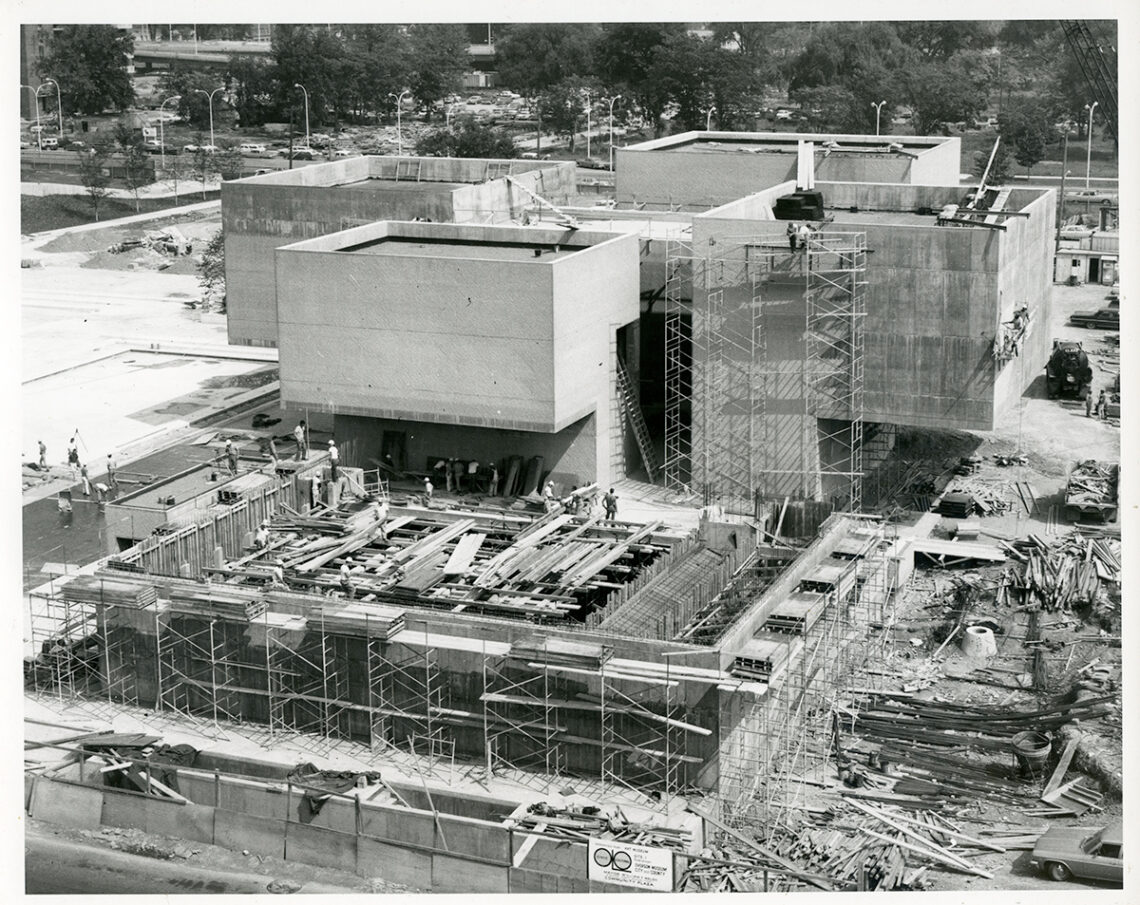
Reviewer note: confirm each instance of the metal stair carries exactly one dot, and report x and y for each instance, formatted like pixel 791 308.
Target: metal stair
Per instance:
pixel 632 409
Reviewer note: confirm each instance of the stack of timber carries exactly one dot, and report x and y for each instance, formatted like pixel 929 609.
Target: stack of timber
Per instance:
pixel 957 505
pixel 559 652
pixel 110 590
pixel 584 822
pixel 363 619
pixel 1069 571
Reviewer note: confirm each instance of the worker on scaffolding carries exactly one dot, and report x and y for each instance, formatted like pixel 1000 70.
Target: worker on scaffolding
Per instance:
pixel 346 578
pixel 792 234
pixel 261 538
pixel 278 574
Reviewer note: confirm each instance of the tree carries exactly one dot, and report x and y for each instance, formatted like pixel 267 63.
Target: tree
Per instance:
pixel 1028 128
pixel 137 167
pixel 202 163
pixel 212 271
pixel 252 88
pixel 89 63
pixel 190 84
pixel 437 60
pixel 321 61
pixel 829 108
pixel 467 138
pixel 943 40
pixel 94 172
pixel 627 55
pixel 533 58
pixel 940 93
pixel 563 107
pixel 175 170
pixel 228 162
pixel 376 65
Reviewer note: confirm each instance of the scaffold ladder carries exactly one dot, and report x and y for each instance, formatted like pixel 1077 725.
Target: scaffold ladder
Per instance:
pixel 632 408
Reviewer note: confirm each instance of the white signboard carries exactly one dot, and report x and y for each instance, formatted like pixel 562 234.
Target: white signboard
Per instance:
pixel 149 132
pixel 631 865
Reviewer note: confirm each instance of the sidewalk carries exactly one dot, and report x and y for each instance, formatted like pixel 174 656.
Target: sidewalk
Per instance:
pixel 161 189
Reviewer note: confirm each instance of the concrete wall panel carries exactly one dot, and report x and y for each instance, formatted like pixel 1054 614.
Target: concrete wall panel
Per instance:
pixel 254 799
pixel 257 834
pixel 121 810
pixel 327 848
pixel 335 814
pixel 393 863
pixel 398 825
pixel 457 875
pixel 70 805
pixel 475 837
pixel 184 821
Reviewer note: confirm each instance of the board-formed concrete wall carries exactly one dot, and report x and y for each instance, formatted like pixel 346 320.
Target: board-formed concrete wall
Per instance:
pixel 469 340
pixel 656 174
pixel 263 213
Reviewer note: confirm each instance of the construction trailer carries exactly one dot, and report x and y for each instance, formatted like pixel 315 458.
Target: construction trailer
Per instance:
pixel 543 650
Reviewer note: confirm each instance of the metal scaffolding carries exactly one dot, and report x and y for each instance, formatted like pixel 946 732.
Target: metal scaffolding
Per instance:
pixel 836 311
pixel 679 266
pixel 778 740
pixel 522 731
pixel 643 746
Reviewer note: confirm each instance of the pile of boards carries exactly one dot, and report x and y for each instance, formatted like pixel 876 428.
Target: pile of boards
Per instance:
pixel 109 590
pixel 582 822
pixel 1067 571
pixel 1091 482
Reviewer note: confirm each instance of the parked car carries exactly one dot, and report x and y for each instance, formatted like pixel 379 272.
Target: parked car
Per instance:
pixel 784 114
pixel 1064 852
pixel 209 149
pixel 1104 319
pixel 253 150
pixel 50 143
pixel 154 146
pixel 304 154
pixel 346 152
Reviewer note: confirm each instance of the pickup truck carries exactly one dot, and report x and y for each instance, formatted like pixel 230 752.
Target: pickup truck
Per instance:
pixel 1093 490
pixel 1064 852
pixel 1104 319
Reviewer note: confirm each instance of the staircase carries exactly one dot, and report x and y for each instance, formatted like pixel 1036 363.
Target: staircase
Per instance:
pixel 632 409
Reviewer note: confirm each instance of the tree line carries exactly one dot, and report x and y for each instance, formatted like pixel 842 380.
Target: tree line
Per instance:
pixel 840 75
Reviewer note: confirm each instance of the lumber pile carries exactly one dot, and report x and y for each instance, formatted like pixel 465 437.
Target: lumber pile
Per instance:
pixel 1092 482
pixel 559 652
pixel 110 590
pixel 1068 571
pixel 587 821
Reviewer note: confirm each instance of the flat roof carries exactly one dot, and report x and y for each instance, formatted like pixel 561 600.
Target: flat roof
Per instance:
pixel 184 487
pixel 786 142
pixel 462 248
pixel 883 218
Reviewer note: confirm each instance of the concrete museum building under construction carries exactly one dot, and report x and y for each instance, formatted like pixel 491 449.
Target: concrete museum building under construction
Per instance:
pixel 689 336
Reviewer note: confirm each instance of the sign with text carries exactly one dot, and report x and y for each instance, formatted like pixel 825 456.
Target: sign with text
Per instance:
pixel 631 865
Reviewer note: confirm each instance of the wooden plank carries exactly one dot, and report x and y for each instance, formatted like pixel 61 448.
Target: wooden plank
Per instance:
pixel 1062 768
pixel 463 554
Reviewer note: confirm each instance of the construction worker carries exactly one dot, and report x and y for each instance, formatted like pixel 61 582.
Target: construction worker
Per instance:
pixel 261 538
pixel 85 479
pixel 316 491
pixel 609 501
pixel 72 455
pixel 1102 405
pixel 449 470
pixel 493 490
pixel 301 435
pixel 278 574
pixel 792 234
pixel 428 489
pixel 346 578
pixel 1088 402
pixel 112 481
pixel 805 235
pixel 334 459
pixel 548 501
pixel 457 470
pixel 231 457
pixel 43 454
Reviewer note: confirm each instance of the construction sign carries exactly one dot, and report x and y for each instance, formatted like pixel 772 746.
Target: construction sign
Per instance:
pixel 631 865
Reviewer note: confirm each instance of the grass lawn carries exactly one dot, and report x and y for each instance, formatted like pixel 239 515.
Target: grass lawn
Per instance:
pixel 1104 159
pixel 58 211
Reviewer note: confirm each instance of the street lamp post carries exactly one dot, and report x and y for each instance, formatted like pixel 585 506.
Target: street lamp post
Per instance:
pixel 298 84
pixel 1088 157
pixel 161 130
pixel 399 127
pixel 708 118
pixel 587 125
pixel 36 104
pixel 613 100
pixel 878 110
pixel 210 95
pixel 59 106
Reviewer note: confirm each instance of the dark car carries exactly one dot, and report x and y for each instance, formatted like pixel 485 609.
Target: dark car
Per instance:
pixel 1064 852
pixel 1104 319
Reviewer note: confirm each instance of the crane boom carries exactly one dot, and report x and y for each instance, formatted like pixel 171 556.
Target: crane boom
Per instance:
pixel 1097 64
